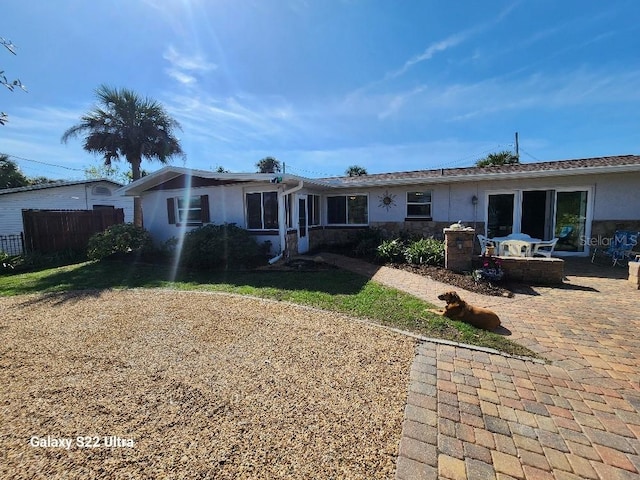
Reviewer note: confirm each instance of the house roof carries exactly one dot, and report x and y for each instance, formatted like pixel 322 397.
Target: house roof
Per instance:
pixel 176 177
pixel 63 183
pixel 612 164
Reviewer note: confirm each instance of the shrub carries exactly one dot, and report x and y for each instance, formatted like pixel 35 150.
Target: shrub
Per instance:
pixel 37 261
pixel 391 250
pixel 367 242
pixel 426 251
pixel 218 246
pixel 124 238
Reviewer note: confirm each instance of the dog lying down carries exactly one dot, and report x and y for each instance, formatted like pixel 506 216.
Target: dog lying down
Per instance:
pixel 458 309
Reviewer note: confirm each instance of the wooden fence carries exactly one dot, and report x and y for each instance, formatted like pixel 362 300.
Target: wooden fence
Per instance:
pixel 47 231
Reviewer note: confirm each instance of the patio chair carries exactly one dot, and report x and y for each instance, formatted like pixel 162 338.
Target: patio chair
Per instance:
pixel 620 247
pixel 515 248
pixel 545 248
pixel 565 234
pixel 484 242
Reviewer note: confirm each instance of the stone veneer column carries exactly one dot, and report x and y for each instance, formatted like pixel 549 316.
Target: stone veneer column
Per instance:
pixel 634 274
pixel 458 249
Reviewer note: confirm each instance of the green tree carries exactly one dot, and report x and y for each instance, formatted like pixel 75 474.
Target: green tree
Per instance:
pixel 10 174
pixel 496 159
pixel 10 84
pixel 269 165
pixel 124 124
pixel 355 171
pixel 111 172
pixel 40 180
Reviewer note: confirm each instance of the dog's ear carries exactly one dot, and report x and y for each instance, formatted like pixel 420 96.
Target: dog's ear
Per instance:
pixel 454 296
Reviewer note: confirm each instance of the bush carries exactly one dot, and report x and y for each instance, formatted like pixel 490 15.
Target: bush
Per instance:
pixel 219 246
pixel 426 251
pixel 37 261
pixel 391 250
pixel 367 242
pixel 124 238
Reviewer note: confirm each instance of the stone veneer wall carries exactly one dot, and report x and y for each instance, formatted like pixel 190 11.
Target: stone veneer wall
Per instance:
pixel 424 229
pixel 458 249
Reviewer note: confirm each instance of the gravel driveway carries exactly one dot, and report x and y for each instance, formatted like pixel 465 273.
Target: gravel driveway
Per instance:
pixel 167 384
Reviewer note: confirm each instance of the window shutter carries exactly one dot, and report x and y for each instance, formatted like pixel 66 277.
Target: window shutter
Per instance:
pixel 204 208
pixel 171 211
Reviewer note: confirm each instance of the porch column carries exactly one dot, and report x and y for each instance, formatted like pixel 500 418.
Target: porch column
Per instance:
pixel 458 249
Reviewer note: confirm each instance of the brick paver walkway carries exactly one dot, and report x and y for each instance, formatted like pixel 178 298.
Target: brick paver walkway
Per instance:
pixel 477 415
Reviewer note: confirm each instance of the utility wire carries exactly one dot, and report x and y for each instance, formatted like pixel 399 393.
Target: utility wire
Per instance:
pixel 44 163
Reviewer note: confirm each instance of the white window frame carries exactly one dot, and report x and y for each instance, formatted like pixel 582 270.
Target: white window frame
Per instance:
pixel 429 203
pixel 262 225
pixel 311 202
pixel 346 196
pixel 180 211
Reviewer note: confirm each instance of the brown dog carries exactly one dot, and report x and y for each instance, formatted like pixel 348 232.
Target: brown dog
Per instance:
pixel 458 309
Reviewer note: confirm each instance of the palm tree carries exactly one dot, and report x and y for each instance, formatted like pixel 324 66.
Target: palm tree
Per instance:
pixel 127 125
pixel 269 165
pixel 501 158
pixel 10 174
pixel 355 171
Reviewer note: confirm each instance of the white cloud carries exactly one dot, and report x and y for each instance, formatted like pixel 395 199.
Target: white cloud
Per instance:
pixel 184 67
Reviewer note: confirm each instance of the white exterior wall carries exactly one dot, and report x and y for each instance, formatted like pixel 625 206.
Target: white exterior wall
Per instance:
pixel 70 197
pixel 226 205
pixel 615 197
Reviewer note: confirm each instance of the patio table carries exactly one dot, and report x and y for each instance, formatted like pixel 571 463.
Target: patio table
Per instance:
pixel 521 237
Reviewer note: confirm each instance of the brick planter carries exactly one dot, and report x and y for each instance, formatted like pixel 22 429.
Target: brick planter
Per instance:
pixel 531 270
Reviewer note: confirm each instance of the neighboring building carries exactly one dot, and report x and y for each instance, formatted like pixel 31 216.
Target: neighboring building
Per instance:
pixel 65 195
pixel 579 201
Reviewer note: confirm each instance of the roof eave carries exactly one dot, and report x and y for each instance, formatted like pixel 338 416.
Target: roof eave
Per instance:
pixel 488 176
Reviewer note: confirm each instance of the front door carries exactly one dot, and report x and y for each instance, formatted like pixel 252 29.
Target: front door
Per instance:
pixel 303 229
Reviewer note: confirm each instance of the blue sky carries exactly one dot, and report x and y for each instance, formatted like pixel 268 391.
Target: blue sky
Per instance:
pixel 324 84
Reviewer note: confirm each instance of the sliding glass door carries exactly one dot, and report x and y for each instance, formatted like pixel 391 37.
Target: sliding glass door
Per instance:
pixel 500 214
pixel 564 213
pixel 571 220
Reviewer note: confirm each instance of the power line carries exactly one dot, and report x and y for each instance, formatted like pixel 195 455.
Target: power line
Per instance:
pixel 43 163
pixel 528 154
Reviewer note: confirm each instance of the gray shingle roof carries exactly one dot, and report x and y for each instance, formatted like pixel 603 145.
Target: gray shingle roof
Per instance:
pixel 561 166
pixel 63 183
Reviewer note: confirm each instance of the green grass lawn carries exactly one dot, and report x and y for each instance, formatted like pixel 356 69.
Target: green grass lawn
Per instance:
pixel 335 290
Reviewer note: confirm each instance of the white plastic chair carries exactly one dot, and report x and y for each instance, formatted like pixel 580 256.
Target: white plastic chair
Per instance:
pixel 484 241
pixel 545 248
pixel 515 248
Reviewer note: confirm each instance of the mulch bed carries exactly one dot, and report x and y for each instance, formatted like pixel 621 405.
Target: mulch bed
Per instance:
pixel 465 281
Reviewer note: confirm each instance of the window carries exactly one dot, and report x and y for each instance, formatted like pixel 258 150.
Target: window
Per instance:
pixel 262 211
pixel 288 211
pixel 419 204
pixel 99 190
pixel 190 211
pixel 313 208
pixel 347 210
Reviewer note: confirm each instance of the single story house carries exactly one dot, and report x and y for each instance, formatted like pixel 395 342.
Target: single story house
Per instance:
pixel 583 202
pixel 63 195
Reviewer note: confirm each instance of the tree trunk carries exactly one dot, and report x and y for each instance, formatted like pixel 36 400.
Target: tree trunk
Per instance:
pixel 137 201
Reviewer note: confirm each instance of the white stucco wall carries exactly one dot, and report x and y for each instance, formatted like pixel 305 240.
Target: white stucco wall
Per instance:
pixel 71 197
pixel 226 205
pixel 615 197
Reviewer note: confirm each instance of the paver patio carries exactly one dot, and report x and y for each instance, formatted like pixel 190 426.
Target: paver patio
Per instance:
pixel 472 414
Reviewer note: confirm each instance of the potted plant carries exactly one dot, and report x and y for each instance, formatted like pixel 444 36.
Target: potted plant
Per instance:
pixel 491 270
